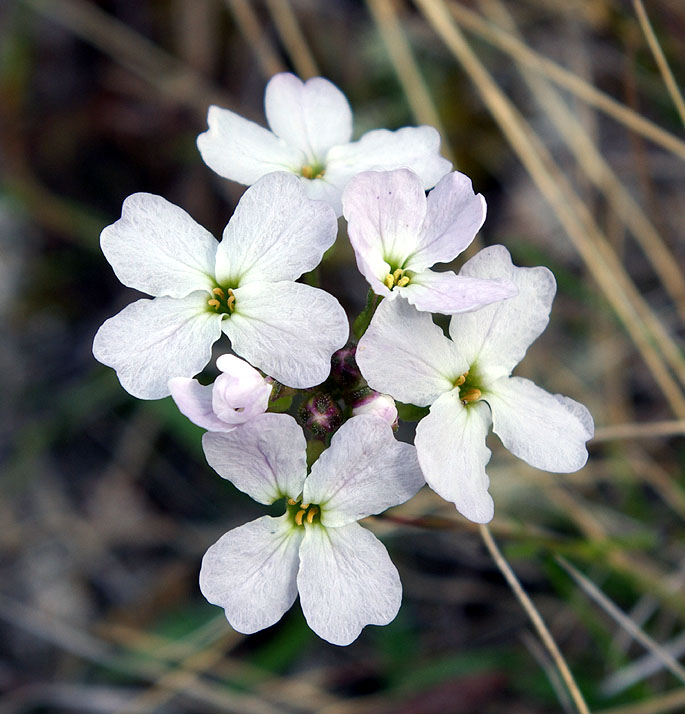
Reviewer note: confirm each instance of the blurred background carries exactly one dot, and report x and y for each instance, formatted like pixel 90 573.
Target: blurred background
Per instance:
pixel 567 117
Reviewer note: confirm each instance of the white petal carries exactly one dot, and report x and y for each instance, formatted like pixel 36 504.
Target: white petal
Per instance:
pixel 195 401
pixel 496 338
pixel 453 217
pixel 265 457
pixel 251 572
pixel 365 470
pixel 240 393
pixel 384 212
pixel 240 150
pixel 312 115
pixel 276 233
pixel 376 404
pixel 546 430
pixel 404 353
pixel 151 341
pixel 450 443
pixel 449 294
pixel 288 330
pixel 158 248
pixel 415 148
pixel 346 581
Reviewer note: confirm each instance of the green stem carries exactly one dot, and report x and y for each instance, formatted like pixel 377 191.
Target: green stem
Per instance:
pixel 361 323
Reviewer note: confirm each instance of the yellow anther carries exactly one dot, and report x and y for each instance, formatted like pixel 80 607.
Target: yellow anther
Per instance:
pixel 305 506
pixel 307 172
pixel 230 303
pixel 404 280
pixel 214 303
pixel 472 395
pixel 299 516
pixel 310 516
pixel 460 380
pixel 397 274
pixel 389 282
pixel 292 502
pixel 219 292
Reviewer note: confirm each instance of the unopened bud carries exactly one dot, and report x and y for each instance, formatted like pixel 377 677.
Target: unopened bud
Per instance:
pixel 367 401
pixel 344 368
pixel 321 414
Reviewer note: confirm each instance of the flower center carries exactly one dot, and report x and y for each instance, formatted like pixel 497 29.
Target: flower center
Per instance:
pixel 313 171
pixel 396 278
pixel 223 301
pixel 468 391
pixel 302 512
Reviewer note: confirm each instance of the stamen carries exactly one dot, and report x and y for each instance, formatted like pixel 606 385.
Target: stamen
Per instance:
pixel 397 274
pixel 311 514
pixel 219 292
pixel 305 506
pixel 214 303
pixel 389 282
pixel 299 516
pixel 472 395
pixel 292 502
pixel 404 280
pixel 230 303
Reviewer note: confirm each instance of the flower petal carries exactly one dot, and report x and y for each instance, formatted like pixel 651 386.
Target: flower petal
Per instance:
pixel 384 212
pixel 496 338
pixel 240 393
pixel 312 115
pixel 454 215
pixel 346 581
pixel 288 330
pixel 365 470
pixel 194 400
pixel 404 353
pixel 265 457
pixel 449 294
pixel 415 148
pixel 151 341
pixel 546 430
pixel 450 443
pixel 251 572
pixel 240 150
pixel 158 248
pixel 276 233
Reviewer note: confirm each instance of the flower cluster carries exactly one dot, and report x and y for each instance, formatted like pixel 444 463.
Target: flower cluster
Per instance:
pixel 299 413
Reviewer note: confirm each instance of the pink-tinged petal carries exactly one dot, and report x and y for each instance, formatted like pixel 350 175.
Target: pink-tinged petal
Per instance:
pixel 365 470
pixel 158 248
pixel 276 233
pixel 546 430
pixel 240 393
pixel 346 581
pixel 151 341
pixel 265 457
pixel 450 443
pixel 194 400
pixel 415 148
pixel 449 294
pixel 496 337
pixel 312 116
pixel 288 330
pixel 251 572
pixel 376 404
pixel 454 215
pixel 240 150
pixel 384 212
pixel 404 353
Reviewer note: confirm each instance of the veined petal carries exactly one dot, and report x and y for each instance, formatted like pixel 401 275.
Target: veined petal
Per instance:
pixel 346 581
pixel 194 400
pixel 404 353
pixel 265 457
pixel 449 294
pixel 415 148
pixel 454 215
pixel 276 233
pixel 546 430
pixel 288 330
pixel 158 248
pixel 450 443
pixel 151 341
pixel 240 150
pixel 365 470
pixel 496 338
pixel 384 212
pixel 312 115
pixel 251 572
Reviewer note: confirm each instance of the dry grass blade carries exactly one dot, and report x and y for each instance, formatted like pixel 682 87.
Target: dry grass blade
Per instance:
pixel 290 33
pixel 594 593
pixel 566 79
pixel 614 432
pixel 601 260
pixel 398 48
pixel 660 58
pixel 536 619
pixel 671 702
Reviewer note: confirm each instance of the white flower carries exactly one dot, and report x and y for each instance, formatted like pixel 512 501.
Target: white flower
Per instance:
pixel 466 382
pixel 237 395
pixel 376 404
pixel 243 286
pixel 344 575
pixel 311 131
pixel 398 234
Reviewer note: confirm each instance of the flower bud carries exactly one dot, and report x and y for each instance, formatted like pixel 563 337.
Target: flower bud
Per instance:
pixel 321 414
pixel 344 368
pixel 239 393
pixel 368 401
